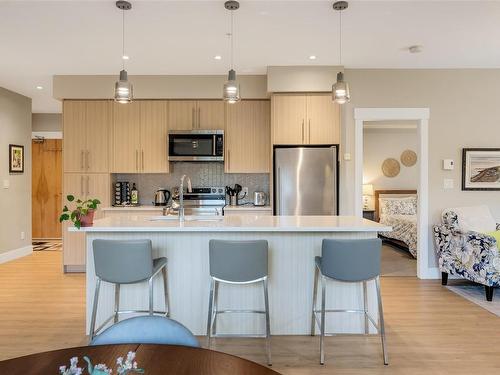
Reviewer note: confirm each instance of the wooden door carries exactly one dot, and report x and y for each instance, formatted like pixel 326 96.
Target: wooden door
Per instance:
pixel 98 123
pixel 210 115
pixel 74 135
pixel 323 120
pixel 248 137
pixel 288 119
pixel 46 191
pixel 126 137
pixel 181 114
pixel 73 242
pixel 154 134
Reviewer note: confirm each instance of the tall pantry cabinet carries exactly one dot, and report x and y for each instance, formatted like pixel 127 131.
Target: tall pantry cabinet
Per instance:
pixel 86 141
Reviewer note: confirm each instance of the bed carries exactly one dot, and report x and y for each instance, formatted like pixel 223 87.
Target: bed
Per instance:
pixel 398 208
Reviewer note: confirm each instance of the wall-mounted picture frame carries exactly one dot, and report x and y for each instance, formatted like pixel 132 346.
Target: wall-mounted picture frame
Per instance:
pixel 481 169
pixel 16 159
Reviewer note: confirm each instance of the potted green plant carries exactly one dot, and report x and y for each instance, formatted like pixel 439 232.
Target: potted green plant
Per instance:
pixel 83 214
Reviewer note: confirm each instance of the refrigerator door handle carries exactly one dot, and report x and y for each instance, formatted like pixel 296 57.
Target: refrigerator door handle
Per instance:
pixel 280 193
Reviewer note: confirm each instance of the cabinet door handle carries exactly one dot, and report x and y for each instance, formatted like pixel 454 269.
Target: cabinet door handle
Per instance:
pixel 142 160
pixel 88 186
pixel 192 118
pixel 136 160
pixel 199 118
pixel 309 131
pixel 87 158
pixel 228 160
pixel 302 130
pixel 81 160
pixel 81 186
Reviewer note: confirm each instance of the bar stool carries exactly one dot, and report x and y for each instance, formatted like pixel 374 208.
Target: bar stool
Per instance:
pixel 352 261
pixel 126 262
pixel 237 262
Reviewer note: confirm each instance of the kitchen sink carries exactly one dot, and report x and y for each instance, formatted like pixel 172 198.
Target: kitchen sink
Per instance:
pixel 187 218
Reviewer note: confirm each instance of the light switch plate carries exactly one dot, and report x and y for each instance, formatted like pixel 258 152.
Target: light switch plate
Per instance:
pixel 448 183
pixel 6 184
pixel 347 156
pixel 448 164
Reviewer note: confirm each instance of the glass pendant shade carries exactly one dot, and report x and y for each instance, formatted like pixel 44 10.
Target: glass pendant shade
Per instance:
pixel 340 90
pixel 123 89
pixel 231 90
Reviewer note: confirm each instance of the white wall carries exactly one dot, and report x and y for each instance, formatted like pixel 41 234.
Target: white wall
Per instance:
pixel 464 112
pixel 46 122
pixel 15 202
pixel 381 143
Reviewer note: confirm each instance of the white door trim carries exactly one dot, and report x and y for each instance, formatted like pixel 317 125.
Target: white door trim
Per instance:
pixel 421 115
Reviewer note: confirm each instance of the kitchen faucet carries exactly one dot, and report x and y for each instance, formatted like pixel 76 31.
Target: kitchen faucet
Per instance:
pixel 181 196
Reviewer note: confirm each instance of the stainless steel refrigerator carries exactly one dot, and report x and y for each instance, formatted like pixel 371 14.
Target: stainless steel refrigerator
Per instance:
pixel 305 180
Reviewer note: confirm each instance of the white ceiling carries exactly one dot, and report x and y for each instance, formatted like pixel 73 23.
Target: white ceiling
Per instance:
pixel 39 38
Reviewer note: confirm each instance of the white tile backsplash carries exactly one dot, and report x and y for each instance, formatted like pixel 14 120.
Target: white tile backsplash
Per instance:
pixel 201 174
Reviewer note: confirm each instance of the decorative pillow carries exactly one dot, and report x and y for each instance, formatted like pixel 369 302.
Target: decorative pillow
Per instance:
pixel 475 218
pixel 398 206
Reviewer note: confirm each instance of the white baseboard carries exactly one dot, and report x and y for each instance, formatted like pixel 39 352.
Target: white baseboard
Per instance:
pixel 16 253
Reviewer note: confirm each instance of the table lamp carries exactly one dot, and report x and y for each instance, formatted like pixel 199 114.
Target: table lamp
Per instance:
pixel 367 193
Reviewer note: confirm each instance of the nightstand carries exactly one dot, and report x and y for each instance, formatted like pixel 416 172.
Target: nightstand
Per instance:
pixel 369 214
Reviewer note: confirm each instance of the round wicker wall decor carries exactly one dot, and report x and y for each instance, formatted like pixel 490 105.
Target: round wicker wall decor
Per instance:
pixel 391 167
pixel 408 158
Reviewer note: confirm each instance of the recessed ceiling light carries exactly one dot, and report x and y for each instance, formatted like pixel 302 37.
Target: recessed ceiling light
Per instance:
pixel 312 57
pixel 39 87
pixel 415 49
pixel 218 57
pixel 125 57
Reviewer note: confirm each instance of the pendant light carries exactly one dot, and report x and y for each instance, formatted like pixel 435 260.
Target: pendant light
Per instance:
pixel 340 90
pixel 231 90
pixel 123 88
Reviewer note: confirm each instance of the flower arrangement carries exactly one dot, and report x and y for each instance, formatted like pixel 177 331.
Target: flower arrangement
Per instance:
pixel 123 367
pixel 83 214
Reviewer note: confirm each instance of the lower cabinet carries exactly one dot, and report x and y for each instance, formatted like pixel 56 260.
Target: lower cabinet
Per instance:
pixel 82 186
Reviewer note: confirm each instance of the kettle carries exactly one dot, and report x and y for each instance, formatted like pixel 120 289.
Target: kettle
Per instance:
pixel 161 197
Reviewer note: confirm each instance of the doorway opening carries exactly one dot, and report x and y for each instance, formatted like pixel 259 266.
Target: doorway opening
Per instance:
pixel 419 118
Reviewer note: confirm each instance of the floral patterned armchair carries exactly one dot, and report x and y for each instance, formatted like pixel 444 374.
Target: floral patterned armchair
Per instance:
pixel 472 255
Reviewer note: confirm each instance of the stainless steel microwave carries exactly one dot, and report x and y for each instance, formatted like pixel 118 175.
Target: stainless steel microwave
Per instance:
pixel 196 145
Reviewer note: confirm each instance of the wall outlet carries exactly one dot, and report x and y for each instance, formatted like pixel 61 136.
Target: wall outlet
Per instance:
pixel 23 235
pixel 347 156
pixel 244 190
pixel 6 184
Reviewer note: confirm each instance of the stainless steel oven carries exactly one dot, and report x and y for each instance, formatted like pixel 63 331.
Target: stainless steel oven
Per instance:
pixel 196 145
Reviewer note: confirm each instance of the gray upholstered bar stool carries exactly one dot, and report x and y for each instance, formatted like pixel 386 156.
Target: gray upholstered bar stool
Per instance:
pixel 126 262
pixel 352 261
pixel 237 262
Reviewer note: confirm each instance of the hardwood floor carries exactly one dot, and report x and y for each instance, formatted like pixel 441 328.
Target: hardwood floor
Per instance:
pixel 430 329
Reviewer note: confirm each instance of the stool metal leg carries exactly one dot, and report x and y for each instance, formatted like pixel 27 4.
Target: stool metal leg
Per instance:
pixel 268 323
pixel 150 281
pixel 381 321
pixel 216 298
pixel 210 307
pixel 322 338
pixel 94 308
pixel 365 306
pixel 117 302
pixel 315 297
pixel 165 291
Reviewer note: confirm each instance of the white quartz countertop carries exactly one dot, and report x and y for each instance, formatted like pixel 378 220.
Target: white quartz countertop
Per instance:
pixel 247 207
pixel 243 223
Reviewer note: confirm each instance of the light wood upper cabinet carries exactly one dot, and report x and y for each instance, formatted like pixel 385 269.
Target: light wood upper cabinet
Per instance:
pixel 305 119
pixel 126 141
pixel 247 137
pixel 140 137
pixel 86 127
pixel 210 114
pixel 182 114
pixel 289 119
pixel 196 114
pixel 154 134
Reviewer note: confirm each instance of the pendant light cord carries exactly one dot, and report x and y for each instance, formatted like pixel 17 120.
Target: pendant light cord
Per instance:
pixel 123 39
pixel 340 43
pixel 231 40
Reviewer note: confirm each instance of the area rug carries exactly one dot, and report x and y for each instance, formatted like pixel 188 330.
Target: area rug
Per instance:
pixel 47 246
pixel 475 294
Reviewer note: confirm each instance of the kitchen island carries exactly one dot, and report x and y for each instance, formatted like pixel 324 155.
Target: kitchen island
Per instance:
pixel 293 243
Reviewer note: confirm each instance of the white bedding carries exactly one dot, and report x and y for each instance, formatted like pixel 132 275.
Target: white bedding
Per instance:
pixel 404 228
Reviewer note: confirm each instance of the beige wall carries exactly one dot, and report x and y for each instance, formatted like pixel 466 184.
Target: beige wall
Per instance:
pixel 157 87
pixel 47 122
pixel 15 202
pixel 464 112
pixel 301 78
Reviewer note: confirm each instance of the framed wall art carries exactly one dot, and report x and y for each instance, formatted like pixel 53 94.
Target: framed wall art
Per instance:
pixel 16 159
pixel 481 169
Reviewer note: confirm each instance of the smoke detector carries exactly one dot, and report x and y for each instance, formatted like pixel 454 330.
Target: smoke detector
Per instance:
pixel 415 49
